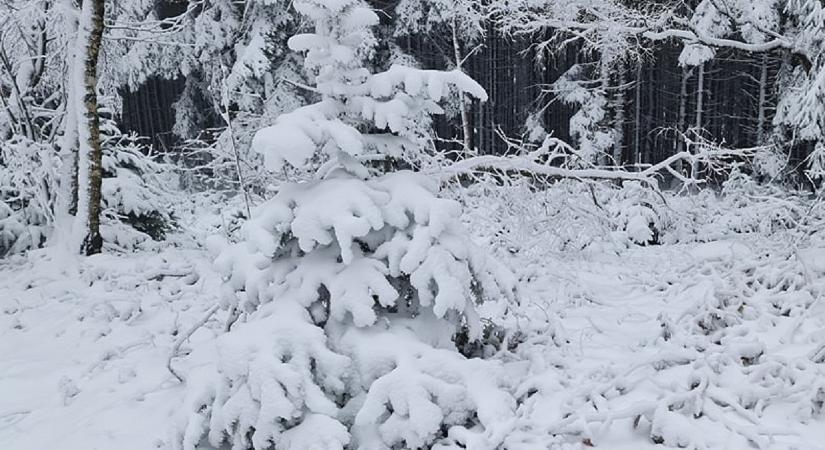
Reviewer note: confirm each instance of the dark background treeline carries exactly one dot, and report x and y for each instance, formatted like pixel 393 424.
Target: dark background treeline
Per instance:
pixel 648 99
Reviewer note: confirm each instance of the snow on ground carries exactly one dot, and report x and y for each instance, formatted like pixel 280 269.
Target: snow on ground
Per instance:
pixel 699 346
pixel 84 346
pixel 708 341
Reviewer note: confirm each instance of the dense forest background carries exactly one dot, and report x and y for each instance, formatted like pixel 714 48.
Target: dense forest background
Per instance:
pixel 651 99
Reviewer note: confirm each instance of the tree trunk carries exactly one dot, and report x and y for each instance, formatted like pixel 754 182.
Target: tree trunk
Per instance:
pixel 637 118
pixel 465 115
pixel 618 124
pixel 681 123
pixel 67 200
pixel 700 97
pixel 604 74
pixel 700 108
pixel 650 119
pixel 91 23
pixel 763 99
pixel 683 99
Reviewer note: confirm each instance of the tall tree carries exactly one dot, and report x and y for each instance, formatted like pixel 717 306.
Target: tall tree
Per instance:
pixel 90 153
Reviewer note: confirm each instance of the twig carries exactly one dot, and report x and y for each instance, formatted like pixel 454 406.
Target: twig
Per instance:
pixel 184 337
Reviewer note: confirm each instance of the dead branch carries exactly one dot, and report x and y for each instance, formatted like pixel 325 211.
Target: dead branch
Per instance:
pixel 540 163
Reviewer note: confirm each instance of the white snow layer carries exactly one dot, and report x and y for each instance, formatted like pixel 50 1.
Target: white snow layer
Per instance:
pixel 621 352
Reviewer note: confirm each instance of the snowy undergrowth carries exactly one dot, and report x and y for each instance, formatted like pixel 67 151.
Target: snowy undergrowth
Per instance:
pixel 531 218
pixel 687 346
pixel 707 341
pixel 691 344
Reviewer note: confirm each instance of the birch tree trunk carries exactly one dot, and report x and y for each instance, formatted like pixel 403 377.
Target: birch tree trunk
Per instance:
pixel 90 154
pixel 637 117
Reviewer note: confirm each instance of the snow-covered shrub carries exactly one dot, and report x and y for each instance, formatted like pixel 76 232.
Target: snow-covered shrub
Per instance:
pixel 638 212
pixel 352 287
pixel 533 217
pixel 238 73
pixel 135 190
pixel 133 193
pixel 743 205
pixel 711 371
pixel 816 167
pixel 768 162
pixel 738 379
pixel 220 158
pixel 28 180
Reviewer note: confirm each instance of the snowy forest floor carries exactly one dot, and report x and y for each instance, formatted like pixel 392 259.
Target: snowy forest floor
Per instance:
pixel 698 345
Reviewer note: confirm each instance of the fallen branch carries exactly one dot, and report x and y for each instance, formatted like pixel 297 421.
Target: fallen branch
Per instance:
pixel 532 164
pixel 176 348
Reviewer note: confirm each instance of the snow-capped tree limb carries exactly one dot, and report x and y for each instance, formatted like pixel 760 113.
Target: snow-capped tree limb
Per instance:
pixel 183 338
pixel 533 164
pixel 655 33
pixel 666 26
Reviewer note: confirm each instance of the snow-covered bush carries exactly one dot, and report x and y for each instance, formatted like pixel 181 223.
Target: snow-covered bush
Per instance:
pixel 638 212
pixel 709 370
pixel 135 190
pixel 770 163
pixel 533 219
pixel 135 208
pixel 238 75
pixel 28 180
pixel 352 288
pixel 536 217
pixel 742 206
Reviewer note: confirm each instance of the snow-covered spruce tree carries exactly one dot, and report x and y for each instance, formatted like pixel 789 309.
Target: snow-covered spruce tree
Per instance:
pixel 588 125
pixel 352 286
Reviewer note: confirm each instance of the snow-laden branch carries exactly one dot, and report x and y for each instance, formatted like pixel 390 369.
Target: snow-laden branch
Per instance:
pixel 533 164
pixel 184 337
pixel 654 34
pixel 623 23
pixel 522 164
